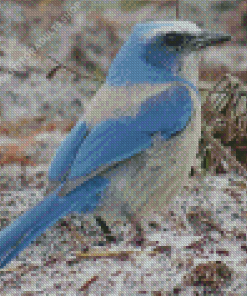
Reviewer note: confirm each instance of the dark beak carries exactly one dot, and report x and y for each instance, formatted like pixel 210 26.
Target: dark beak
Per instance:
pixel 209 38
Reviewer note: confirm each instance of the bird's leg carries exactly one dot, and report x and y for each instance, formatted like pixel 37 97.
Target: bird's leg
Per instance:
pixel 105 229
pixel 139 239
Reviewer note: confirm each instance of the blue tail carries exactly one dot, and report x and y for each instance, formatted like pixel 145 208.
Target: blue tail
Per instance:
pixel 19 234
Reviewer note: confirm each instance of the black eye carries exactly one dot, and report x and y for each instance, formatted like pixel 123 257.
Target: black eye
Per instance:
pixel 173 39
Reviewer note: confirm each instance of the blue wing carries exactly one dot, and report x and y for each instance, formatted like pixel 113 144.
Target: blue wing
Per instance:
pixel 117 139
pixel 66 153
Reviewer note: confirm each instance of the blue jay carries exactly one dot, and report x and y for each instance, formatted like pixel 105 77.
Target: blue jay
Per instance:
pixel 134 147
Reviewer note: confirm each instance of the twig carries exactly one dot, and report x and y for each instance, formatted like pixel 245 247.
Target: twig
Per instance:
pixel 177 9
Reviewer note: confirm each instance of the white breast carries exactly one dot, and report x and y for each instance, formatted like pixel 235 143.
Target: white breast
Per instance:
pixel 148 181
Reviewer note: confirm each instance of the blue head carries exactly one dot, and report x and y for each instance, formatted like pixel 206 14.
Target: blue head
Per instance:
pixel 158 52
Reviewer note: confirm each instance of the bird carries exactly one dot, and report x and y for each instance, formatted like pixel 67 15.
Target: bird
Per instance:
pixel 133 148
